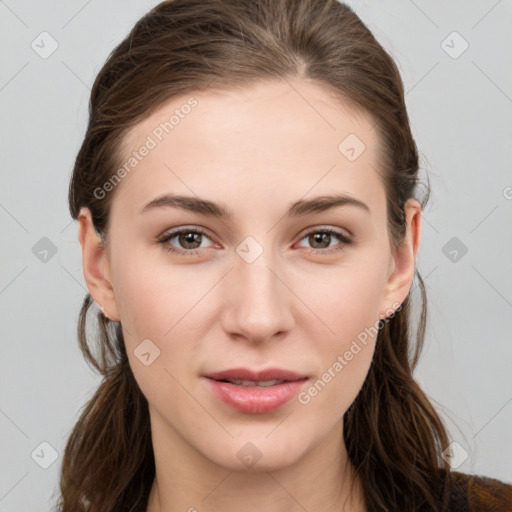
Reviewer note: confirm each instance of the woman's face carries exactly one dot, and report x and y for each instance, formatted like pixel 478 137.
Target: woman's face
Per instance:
pixel 263 286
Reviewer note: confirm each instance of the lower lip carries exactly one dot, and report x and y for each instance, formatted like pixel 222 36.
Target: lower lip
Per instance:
pixel 255 399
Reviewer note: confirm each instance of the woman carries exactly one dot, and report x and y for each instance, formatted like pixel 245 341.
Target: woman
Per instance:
pixel 246 199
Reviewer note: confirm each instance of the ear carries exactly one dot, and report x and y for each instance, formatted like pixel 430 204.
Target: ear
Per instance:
pixel 403 260
pixel 96 266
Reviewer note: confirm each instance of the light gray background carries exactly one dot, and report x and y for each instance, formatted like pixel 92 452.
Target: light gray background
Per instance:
pixel 460 109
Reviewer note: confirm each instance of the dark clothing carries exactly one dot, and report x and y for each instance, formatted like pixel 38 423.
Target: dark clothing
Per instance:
pixel 474 493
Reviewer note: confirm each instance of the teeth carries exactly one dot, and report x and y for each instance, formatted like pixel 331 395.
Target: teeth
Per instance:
pixel 263 383
pixel 269 382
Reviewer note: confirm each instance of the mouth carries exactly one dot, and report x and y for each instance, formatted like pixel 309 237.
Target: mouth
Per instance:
pixel 255 392
pixel 251 383
pixel 241 375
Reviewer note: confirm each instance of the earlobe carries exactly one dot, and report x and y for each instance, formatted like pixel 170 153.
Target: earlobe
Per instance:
pixel 403 260
pixel 96 266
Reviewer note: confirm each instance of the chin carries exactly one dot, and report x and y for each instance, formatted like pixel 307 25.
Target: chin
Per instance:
pixel 255 454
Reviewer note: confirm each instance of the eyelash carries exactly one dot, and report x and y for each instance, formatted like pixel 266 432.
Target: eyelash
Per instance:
pixel 194 252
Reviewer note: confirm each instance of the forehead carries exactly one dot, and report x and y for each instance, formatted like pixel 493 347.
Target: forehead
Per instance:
pixel 262 142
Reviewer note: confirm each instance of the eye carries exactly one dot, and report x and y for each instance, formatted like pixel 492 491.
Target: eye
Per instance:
pixel 323 236
pixel 189 238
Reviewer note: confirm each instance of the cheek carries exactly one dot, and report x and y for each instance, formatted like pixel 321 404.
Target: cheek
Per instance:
pixel 347 299
pixel 345 357
pixel 166 305
pixel 351 310
pixel 152 296
pixel 156 330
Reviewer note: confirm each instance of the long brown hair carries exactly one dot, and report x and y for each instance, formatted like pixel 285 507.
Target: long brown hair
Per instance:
pixel 393 434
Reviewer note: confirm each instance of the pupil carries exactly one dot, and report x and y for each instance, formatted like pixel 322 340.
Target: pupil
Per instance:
pixel 319 236
pixel 189 238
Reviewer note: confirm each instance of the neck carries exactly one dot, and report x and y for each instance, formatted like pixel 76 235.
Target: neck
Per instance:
pixel 186 480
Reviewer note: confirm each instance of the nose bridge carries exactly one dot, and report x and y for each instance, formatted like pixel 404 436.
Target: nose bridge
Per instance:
pixel 261 301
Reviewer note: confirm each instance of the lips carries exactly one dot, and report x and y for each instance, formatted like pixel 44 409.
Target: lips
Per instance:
pixel 245 374
pixel 256 392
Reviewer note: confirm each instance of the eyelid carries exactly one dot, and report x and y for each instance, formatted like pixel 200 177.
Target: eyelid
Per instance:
pixel 343 232
pixel 173 232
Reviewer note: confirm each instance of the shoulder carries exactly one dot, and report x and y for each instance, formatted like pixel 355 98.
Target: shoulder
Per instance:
pixel 478 493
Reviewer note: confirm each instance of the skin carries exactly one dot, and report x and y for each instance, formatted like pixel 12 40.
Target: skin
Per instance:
pixel 255 150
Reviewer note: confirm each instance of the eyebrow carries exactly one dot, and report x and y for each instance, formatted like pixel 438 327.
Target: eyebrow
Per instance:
pixel 212 209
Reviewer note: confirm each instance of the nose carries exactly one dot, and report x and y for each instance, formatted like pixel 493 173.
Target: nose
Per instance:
pixel 260 302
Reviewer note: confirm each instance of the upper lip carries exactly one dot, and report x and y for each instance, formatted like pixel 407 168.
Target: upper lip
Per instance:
pixel 256 376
